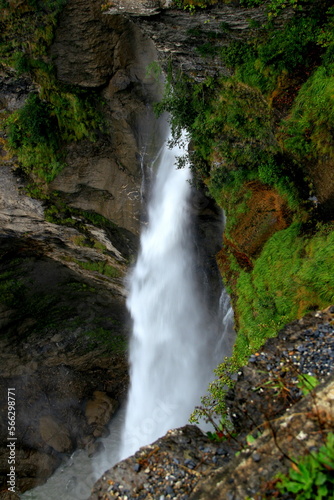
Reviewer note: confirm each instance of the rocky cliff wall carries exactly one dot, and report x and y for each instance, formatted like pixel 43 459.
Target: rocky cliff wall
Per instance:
pixel 92 50
pixel 177 34
pixel 72 271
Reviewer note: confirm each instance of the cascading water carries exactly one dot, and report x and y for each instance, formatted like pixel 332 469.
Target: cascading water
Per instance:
pixel 174 344
pixel 179 335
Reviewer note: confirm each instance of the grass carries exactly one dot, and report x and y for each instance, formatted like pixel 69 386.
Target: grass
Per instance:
pixel 308 129
pixel 293 275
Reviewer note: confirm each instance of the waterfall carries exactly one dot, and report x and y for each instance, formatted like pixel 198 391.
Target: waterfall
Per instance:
pixel 174 344
pixel 179 334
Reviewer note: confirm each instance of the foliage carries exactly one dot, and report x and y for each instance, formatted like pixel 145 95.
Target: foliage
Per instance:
pixel 37 131
pixel 31 134
pixel 293 275
pixel 275 7
pixel 313 477
pixel 28 29
pixel 153 70
pixel 307 383
pixel 309 130
pixel 17 292
pixel 11 289
pixel 238 135
pixel 261 62
pixel 207 49
pixel 237 53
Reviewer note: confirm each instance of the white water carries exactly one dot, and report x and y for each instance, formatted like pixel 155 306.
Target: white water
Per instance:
pixel 174 346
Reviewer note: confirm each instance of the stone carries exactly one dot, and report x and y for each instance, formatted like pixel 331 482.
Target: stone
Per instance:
pixel 100 409
pixel 54 434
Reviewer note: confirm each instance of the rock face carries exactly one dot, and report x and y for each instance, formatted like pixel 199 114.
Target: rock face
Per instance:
pixel 136 7
pixel 110 54
pixel 265 214
pixel 176 34
pixel 296 434
pixel 62 288
pixel 169 467
pixel 52 352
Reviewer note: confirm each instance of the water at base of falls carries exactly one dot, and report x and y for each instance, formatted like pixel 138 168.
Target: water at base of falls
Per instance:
pixel 175 341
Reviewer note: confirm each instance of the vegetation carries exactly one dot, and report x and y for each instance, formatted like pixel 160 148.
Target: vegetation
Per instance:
pixel 57 113
pixel 192 5
pixel 293 275
pixel 101 267
pixel 19 294
pixel 270 122
pixel 313 477
pixel 117 344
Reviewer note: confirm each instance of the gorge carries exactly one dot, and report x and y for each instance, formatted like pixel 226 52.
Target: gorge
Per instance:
pixel 251 82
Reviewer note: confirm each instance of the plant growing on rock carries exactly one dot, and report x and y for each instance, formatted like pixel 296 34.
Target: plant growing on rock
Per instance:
pixel 313 477
pixel 57 113
pixel 192 5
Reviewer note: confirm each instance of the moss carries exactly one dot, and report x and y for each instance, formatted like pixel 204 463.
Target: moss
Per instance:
pixel 308 130
pixel 58 113
pixel 116 344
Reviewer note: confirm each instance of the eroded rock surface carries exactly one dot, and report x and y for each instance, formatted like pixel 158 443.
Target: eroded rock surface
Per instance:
pixel 110 54
pixel 178 36
pixel 63 339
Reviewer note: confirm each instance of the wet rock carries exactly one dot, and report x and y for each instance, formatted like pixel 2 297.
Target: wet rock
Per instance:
pixel 110 53
pixel 54 434
pixel 194 467
pixel 161 467
pixel 47 356
pixel 34 468
pixel 275 445
pixel 100 409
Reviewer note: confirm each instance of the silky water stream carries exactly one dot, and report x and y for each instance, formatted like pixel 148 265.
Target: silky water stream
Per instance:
pixel 178 338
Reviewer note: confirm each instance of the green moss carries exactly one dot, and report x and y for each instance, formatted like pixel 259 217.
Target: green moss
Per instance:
pixel 117 344
pixel 192 5
pixel 58 113
pixel 101 267
pixel 292 276
pixel 309 128
pixel 11 290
